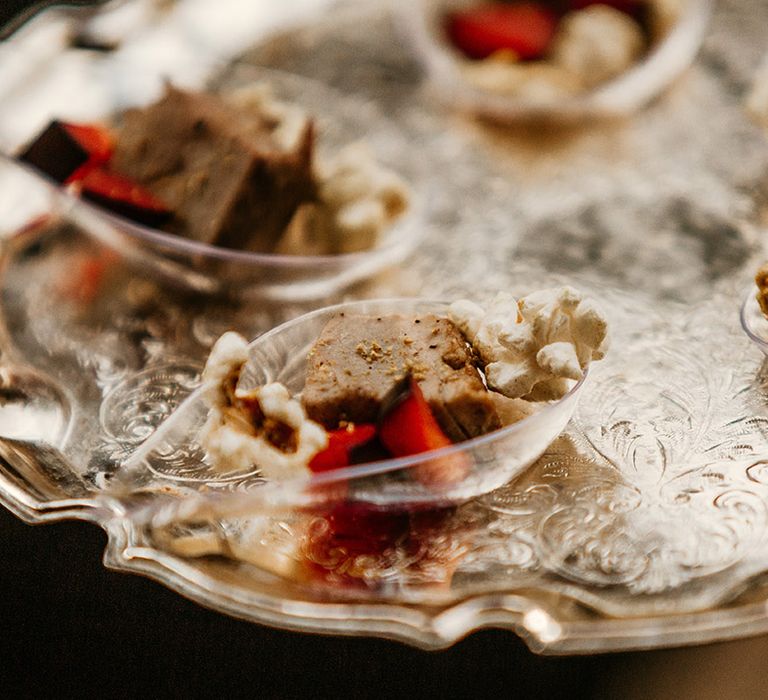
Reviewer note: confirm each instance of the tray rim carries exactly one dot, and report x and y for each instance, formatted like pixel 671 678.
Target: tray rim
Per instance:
pixel 425 628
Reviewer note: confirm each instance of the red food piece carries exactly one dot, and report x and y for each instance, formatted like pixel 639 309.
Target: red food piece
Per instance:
pixel 95 139
pixel 123 196
pixel 340 443
pixel 98 143
pixel 409 427
pixel 526 28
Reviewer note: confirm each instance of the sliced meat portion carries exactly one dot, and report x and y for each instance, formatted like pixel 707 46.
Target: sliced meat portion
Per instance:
pixel 358 359
pixel 217 167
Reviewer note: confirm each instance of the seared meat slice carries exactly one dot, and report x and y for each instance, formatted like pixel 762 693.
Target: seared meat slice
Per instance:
pixel 217 167
pixel 358 359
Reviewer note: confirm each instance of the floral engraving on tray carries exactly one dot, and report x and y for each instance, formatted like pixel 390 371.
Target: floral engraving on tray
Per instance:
pixel 648 490
pixel 133 408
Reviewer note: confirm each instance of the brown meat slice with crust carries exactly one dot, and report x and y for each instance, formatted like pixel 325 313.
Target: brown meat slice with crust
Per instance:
pixel 217 167
pixel 358 359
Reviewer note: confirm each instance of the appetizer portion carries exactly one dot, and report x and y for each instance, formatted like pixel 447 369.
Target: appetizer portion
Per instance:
pixel 535 355
pixel 395 385
pixel 239 171
pixel 358 360
pixel 544 50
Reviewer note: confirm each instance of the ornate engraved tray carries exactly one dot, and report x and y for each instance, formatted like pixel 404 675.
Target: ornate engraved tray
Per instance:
pixel 645 525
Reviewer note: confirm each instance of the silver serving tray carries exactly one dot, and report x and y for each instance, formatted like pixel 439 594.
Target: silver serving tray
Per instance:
pixel 643 526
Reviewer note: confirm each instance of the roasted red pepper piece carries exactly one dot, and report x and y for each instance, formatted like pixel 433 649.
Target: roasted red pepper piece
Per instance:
pixel 340 443
pixel 409 427
pixel 97 140
pixel 525 28
pixel 123 196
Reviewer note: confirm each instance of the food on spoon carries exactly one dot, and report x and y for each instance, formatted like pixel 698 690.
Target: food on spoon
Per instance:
pixel 238 171
pixel 220 169
pixel 263 427
pixel 542 51
pixel 357 360
pixel 395 385
pixel 341 447
pixel 534 348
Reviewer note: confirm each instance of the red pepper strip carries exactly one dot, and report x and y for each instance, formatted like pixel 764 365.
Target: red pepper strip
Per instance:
pixel 95 139
pixel 410 428
pixel 340 443
pixel 124 196
pixel 526 29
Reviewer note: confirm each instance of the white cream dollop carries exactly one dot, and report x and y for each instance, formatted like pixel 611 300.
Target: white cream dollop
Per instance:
pixel 358 199
pixel 228 354
pixel 535 347
pixel 597 43
pixel 231 439
pixel 361 195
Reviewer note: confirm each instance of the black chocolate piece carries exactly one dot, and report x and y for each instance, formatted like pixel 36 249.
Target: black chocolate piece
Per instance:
pixel 55 152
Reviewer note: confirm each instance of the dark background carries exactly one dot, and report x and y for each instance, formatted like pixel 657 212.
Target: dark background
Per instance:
pixel 70 627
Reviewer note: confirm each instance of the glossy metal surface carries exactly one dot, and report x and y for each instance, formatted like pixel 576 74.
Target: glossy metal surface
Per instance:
pixel 643 526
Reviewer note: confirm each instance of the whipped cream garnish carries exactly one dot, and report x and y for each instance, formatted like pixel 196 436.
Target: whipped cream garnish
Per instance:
pixel 362 196
pixel 535 347
pixel 597 43
pixel 358 197
pixel 262 427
